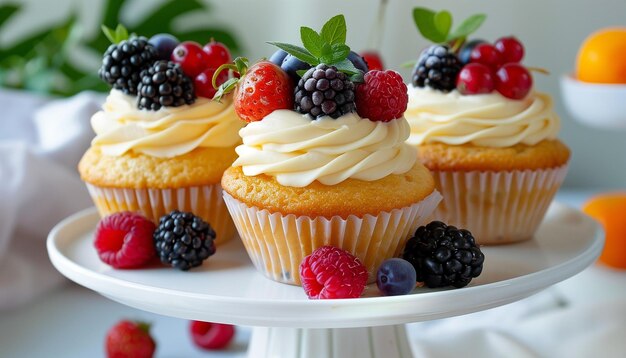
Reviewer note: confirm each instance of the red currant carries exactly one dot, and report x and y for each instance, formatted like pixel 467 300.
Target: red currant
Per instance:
pixel 374 62
pixel 190 57
pixel 217 54
pixel 203 82
pixel 475 78
pixel 510 49
pixel 513 81
pixel 487 55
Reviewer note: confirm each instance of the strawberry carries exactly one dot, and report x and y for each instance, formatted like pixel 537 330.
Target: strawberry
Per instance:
pixel 128 339
pixel 262 89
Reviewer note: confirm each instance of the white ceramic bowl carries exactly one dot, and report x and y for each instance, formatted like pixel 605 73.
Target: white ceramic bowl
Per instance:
pixel 595 104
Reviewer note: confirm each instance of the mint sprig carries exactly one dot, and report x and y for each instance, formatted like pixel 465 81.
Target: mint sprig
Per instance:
pixel 328 47
pixel 436 26
pixel 116 36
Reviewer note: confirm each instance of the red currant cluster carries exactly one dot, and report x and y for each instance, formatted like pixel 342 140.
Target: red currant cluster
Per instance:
pixel 495 67
pixel 200 64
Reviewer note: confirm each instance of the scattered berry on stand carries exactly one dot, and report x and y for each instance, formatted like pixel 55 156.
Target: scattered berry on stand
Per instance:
pixel 211 336
pixel 513 81
pixel 128 339
pixel 191 58
pixel 164 84
pixel 486 54
pixel 330 272
pixel 466 50
pixel 396 277
pixel 325 91
pixel 217 54
pixel 475 78
pixel 183 240
pixel 437 67
pixel 443 255
pixel 122 63
pixel 164 44
pixel 373 60
pixel 124 240
pixel 511 50
pixel 203 82
pixel 382 97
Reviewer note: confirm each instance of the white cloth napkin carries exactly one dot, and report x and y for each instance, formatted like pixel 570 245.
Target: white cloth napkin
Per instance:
pixel 41 142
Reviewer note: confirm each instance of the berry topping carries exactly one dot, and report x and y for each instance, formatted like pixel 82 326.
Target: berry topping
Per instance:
pixel 487 55
pixel 444 255
pixel 358 61
pixel 382 97
pixel 190 57
pixel 124 240
pixel 123 62
pixel 164 44
pixel 511 50
pixel 373 60
pixel 475 78
pixel 211 336
pixel 164 84
pixel 291 65
pixel 437 68
pixel 324 91
pixel 278 57
pixel 330 272
pixel 183 240
pixel 203 82
pixel 128 339
pixel 466 50
pixel 217 54
pixel 395 277
pixel 513 81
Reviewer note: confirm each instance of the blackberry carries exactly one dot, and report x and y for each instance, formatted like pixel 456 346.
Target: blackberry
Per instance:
pixel 444 255
pixel 164 84
pixel 122 63
pixel 183 240
pixel 437 67
pixel 324 91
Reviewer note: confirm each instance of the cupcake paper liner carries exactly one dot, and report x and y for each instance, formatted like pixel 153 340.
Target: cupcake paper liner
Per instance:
pixel 278 243
pixel 497 207
pixel 205 201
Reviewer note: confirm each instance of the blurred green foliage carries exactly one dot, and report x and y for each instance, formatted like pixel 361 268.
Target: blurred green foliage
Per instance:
pixel 43 62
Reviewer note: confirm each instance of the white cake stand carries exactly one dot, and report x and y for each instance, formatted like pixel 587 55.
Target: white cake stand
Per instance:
pixel 227 289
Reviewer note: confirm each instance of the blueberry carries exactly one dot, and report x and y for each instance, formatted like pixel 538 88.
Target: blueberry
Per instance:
pixel 291 64
pixel 358 61
pixel 466 50
pixel 396 277
pixel 164 45
pixel 278 57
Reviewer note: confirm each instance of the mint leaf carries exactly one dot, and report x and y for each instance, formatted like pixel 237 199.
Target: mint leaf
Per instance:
pixel 312 41
pixel 109 33
pixel 443 22
pixel 346 67
pixel 337 54
pixel 468 26
pixel 425 22
pixel 298 52
pixel 358 77
pixel 334 30
pixel 115 36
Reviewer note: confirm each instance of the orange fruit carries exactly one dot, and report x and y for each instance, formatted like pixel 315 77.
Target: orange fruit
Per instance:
pixel 602 57
pixel 610 210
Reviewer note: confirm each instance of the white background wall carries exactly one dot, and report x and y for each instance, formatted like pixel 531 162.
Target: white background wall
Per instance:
pixel 551 31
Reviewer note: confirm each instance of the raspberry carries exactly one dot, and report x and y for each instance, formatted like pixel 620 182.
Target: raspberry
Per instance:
pixel 128 339
pixel 211 336
pixel 124 240
pixel 382 97
pixel 330 272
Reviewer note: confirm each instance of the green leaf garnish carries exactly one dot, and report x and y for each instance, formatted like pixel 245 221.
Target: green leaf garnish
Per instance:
pixel 408 64
pixel 115 36
pixel 328 46
pixel 435 26
pixel 240 65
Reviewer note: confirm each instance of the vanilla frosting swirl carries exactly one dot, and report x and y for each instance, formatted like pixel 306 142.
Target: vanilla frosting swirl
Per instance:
pixel 171 131
pixel 297 150
pixel 489 120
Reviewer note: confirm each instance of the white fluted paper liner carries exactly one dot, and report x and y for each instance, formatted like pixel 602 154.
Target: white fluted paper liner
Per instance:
pixel 278 243
pixel 205 201
pixel 497 207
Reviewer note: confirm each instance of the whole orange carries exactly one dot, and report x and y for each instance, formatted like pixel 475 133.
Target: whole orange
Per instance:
pixel 610 210
pixel 602 57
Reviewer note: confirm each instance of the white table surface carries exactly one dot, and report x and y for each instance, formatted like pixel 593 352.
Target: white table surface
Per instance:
pixel 72 321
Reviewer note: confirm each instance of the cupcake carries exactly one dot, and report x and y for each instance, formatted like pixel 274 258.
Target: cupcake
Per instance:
pixel 335 171
pixel 160 143
pixel 488 137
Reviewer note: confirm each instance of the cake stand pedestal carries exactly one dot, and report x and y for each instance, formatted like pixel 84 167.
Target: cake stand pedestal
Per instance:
pixel 227 289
